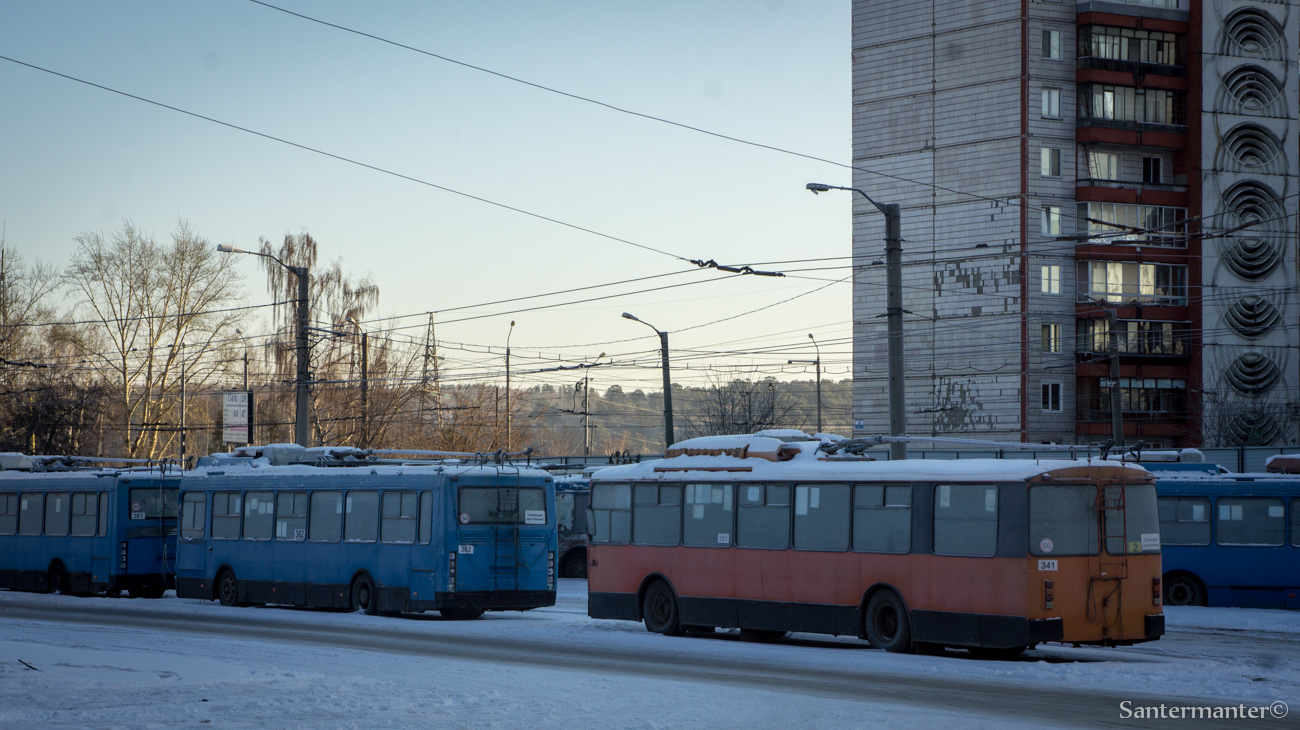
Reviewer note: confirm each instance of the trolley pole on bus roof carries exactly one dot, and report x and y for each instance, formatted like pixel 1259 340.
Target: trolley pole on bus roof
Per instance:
pixel 301 434
pixel 893 313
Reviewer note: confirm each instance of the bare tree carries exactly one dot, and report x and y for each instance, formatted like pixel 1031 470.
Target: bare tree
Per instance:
pixel 740 406
pixel 1232 418
pixel 160 305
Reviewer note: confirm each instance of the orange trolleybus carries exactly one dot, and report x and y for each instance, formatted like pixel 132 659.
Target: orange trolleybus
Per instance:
pixel 991 555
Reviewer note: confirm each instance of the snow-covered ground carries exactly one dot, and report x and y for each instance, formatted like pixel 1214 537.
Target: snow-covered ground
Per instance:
pixel 98 662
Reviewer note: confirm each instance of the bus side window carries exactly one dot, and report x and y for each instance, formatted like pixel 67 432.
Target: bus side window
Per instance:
pixel 1184 521
pixel 259 515
pixel 83 513
pixel 763 517
pixel 8 514
pixel 821 517
pixel 362 522
pixel 58 510
pixel 291 516
pixel 31 512
pixel 426 517
pixel 398 520
pixel 193 515
pixel 103 514
pixel 225 515
pixel 657 514
pixel 966 520
pixel 326 517
pixel 708 520
pixel 611 506
pixel 1250 521
pixel 882 518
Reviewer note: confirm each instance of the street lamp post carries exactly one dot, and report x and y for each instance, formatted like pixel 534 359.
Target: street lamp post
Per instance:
pixel 893 313
pixel 300 419
pixel 818 364
pixel 669 439
pixel 511 331
pixel 365 383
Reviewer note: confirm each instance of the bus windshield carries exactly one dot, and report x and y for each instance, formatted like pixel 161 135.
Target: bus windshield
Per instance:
pixel 154 503
pixel 502 506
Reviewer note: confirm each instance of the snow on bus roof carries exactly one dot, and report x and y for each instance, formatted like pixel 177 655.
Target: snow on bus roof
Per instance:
pixel 807 465
pixel 229 465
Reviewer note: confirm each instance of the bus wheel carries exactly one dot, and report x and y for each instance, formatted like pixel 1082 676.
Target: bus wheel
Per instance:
pixel 227 589
pixel 574 566
pixel 461 614
pixel 57 580
pixel 1183 590
pixel 762 634
pixel 364 598
pixel 659 609
pixel 886 623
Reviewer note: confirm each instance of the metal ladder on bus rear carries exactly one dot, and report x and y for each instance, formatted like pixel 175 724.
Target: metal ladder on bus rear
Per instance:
pixel 505 564
pixel 1105 591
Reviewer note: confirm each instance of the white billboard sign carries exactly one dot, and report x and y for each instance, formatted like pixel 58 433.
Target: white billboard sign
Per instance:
pixel 234 418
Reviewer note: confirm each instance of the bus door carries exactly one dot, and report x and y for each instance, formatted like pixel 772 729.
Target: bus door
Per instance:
pixel 427 556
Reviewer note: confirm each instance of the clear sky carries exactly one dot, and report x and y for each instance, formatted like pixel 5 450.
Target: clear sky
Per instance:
pixel 76 158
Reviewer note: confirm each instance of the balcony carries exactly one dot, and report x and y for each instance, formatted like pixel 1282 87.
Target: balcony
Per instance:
pixel 1137 338
pixel 1138 69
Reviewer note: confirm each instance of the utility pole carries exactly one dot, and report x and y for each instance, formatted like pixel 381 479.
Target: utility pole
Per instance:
pixel 509 418
pixel 365 385
pixel 180 350
pixel 586 416
pixel 818 364
pixel 893 314
pixel 1116 405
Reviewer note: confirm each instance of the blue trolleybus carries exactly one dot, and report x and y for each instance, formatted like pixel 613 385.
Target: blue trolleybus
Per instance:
pixel 69 525
pixel 1229 539
pixel 350 529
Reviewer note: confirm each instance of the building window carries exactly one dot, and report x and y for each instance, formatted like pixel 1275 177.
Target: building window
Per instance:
pixel 1121 281
pixel 1152 225
pixel 1052 44
pixel 1103 165
pixel 1136 337
pixel 1051 338
pixel 1143 398
pixel 1105 103
pixel 1051 397
pixel 1051 220
pixel 1152 167
pixel 1050 162
pixel 1052 279
pixel 1129 44
pixel 1051 103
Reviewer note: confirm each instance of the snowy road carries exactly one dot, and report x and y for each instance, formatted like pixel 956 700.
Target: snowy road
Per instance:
pixel 174 662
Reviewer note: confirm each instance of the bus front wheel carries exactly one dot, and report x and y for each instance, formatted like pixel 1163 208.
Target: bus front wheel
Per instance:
pixel 364 598
pixel 659 610
pixel 886 623
pixel 1182 589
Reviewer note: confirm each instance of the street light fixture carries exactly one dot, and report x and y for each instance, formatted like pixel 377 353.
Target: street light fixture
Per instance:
pixel 893 313
pixel 509 440
pixel 300 421
pixel 818 363
pixel 669 439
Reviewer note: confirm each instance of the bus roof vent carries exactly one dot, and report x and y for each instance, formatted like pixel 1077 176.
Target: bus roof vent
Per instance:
pixel 14 460
pixel 1283 464
pixel 277 454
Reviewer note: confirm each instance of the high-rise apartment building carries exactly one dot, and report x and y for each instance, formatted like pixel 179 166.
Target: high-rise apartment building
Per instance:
pixel 1096 196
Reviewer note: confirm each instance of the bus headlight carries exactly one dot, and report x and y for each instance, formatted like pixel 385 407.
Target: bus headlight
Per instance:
pixel 550 570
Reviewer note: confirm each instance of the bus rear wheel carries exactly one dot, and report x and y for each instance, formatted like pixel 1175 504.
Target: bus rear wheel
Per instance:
pixel 364 598
pixel 227 589
pixel 886 622
pixel 1184 590
pixel 659 610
